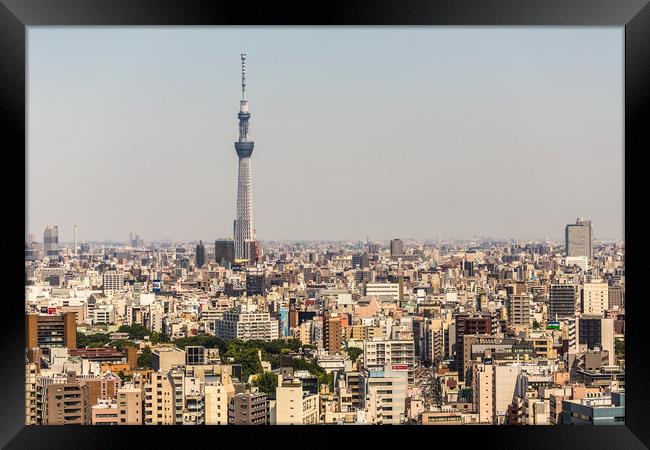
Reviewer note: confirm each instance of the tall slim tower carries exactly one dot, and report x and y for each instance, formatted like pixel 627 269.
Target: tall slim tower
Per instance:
pixel 244 230
pixel 74 250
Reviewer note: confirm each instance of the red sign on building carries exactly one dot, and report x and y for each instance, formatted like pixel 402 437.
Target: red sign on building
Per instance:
pixel 400 367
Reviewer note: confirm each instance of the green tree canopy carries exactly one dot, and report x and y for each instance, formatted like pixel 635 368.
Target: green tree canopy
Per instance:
pixel 267 382
pixel 354 353
pixel 619 348
pixel 145 358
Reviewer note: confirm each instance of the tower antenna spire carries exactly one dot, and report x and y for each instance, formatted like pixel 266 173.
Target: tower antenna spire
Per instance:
pixel 243 76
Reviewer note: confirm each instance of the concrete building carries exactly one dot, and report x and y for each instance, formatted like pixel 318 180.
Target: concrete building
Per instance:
pixel 130 404
pixel 594 298
pixel 562 301
pixel 51 240
pixel 246 323
pixel 396 247
pixel 113 282
pixel 47 331
pixel 217 396
pixel 595 409
pixel 332 333
pixel 160 400
pixel 249 408
pixel 466 324
pixel 67 403
pixel 383 394
pixel 594 332
pixel 483 391
pixel 395 355
pixel 616 296
pixel 518 307
pixel 578 239
pixel 164 358
pixel 387 291
pixel 104 413
pixel 293 404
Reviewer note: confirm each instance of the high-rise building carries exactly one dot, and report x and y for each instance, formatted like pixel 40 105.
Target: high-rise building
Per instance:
pixel 244 228
pixel 518 307
pixel 67 403
pixel 594 332
pixel 616 296
pixel 248 409
pixel 396 247
pixel 332 333
pixel 160 400
pixel 562 301
pixel 113 281
pixel 51 331
pixel 398 355
pixel 224 252
pixel 51 240
pixel 255 282
pixel 594 298
pixel 200 254
pixel 360 260
pixel 467 324
pixel 578 239
pixel 76 229
pixel 382 392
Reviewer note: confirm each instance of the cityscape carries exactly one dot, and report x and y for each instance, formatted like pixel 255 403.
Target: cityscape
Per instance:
pixel 248 331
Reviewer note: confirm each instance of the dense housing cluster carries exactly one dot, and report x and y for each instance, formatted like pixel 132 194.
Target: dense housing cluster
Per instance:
pixel 473 332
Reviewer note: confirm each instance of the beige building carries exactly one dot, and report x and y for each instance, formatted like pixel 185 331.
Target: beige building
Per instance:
pixel 67 403
pixel 159 400
pixel 31 378
pixel 595 298
pixel 164 358
pixel 483 391
pixel 216 403
pixel 293 406
pixel 104 413
pixel 129 403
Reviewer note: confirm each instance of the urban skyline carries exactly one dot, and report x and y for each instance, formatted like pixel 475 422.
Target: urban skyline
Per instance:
pixel 352 205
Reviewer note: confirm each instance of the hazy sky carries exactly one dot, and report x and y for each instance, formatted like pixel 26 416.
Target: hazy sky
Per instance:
pixel 412 132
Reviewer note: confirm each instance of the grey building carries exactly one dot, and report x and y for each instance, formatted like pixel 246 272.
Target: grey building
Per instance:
pixel 595 409
pixel 396 247
pixel 518 307
pixel 224 252
pixel 360 260
pixel 200 254
pixel 51 240
pixel 578 239
pixel 562 301
pixel 248 409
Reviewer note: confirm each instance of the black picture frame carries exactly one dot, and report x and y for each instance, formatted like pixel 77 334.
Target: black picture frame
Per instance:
pixel 634 15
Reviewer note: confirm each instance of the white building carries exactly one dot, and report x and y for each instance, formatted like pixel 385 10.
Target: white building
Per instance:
pixel 399 355
pixel 246 323
pixel 383 395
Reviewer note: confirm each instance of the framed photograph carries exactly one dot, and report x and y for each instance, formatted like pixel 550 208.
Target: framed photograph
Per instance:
pixel 364 215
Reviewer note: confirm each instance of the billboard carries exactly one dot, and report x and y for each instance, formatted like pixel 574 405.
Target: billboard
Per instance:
pixel 553 325
pixel 157 285
pixel 400 367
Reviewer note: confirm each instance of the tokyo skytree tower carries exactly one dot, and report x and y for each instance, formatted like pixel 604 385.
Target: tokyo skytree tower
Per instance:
pixel 244 229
